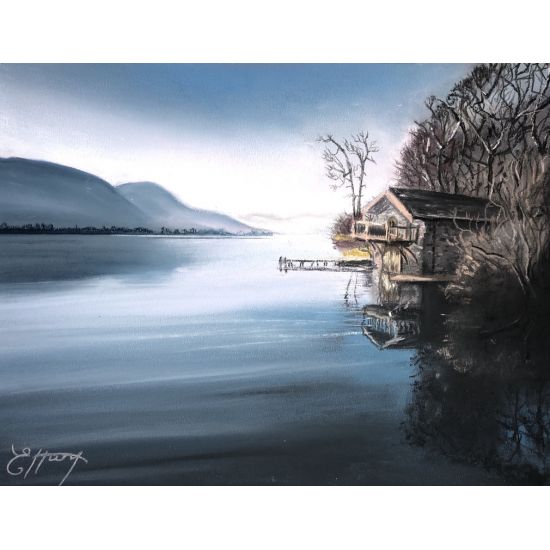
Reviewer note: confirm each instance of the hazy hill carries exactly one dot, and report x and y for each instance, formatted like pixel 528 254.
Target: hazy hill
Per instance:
pixel 164 209
pixel 34 191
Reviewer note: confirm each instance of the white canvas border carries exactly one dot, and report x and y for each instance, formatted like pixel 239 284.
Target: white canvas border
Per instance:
pixel 290 517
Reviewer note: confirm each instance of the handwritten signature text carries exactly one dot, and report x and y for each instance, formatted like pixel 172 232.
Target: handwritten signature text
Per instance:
pixel 26 462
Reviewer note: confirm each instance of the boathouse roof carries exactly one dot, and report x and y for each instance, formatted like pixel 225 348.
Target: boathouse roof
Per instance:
pixel 423 204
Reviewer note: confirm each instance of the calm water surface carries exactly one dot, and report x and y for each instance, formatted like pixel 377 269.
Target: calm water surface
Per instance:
pixel 195 361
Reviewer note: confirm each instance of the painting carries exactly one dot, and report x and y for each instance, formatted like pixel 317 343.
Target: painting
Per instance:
pixel 274 274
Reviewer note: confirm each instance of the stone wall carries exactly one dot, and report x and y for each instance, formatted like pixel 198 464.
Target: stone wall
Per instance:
pixel 441 255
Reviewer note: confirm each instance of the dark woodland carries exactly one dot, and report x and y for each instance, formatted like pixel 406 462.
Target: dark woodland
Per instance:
pixel 481 388
pixel 490 138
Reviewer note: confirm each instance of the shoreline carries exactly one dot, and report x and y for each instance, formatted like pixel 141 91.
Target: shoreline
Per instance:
pixel 140 234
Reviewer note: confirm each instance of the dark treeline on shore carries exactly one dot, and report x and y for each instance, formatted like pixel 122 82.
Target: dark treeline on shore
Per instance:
pixel 35 228
pixel 42 228
pixel 490 138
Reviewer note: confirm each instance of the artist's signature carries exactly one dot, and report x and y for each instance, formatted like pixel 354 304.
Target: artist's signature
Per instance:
pixel 27 462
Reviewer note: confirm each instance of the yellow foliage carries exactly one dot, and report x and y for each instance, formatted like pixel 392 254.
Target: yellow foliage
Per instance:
pixel 356 253
pixel 341 237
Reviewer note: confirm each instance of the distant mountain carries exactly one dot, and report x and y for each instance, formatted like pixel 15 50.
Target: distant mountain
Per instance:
pixel 164 209
pixel 33 191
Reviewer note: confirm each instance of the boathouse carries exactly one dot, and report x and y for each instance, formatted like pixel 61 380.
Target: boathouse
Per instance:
pixel 412 231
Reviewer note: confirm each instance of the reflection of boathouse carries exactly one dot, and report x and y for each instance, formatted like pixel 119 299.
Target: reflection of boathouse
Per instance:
pixel 411 230
pixel 387 328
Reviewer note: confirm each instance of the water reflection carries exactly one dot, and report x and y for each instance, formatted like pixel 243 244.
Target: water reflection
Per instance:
pixel 389 328
pixel 61 258
pixel 224 370
pixel 477 398
pixel 500 420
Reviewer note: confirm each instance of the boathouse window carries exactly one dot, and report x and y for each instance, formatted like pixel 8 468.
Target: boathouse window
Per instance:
pixel 360 227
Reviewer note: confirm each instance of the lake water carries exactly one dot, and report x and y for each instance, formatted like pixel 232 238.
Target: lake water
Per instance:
pixel 195 361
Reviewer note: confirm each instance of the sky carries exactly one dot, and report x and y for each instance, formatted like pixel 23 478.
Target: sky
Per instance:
pixel 239 139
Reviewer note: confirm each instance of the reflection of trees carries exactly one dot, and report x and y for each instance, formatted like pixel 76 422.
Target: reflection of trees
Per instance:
pixel 481 390
pixel 483 401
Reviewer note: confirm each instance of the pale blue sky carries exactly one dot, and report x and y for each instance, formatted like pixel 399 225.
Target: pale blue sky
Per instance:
pixel 237 138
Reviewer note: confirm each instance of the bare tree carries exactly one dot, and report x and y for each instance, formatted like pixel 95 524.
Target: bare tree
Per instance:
pixel 346 164
pixel 490 137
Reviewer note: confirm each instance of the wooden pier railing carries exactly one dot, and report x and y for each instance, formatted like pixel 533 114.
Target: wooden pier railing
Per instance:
pixel 289 264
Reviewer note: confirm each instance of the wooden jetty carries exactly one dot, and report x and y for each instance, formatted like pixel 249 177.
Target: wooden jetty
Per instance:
pixel 289 264
pixel 409 278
